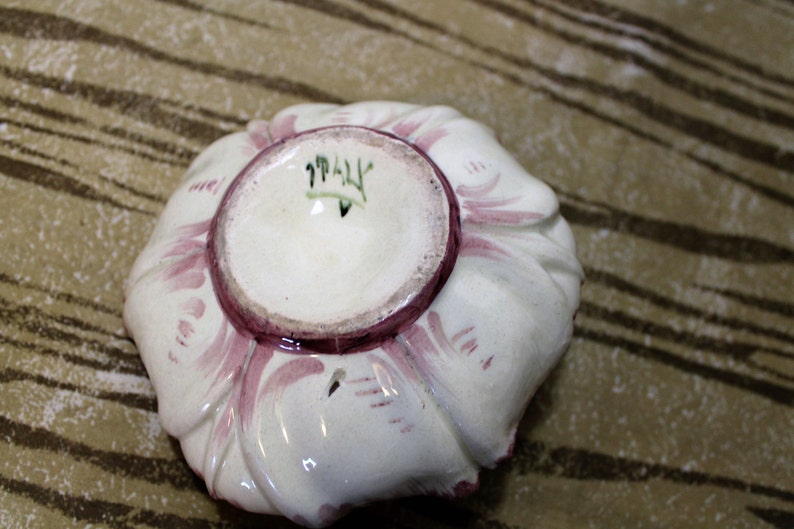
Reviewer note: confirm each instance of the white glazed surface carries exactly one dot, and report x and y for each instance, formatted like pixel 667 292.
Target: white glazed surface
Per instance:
pixel 310 435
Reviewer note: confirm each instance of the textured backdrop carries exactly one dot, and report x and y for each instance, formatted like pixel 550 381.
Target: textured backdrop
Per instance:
pixel 667 129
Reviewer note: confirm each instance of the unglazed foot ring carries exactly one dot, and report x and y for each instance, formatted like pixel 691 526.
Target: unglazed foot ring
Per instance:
pixel 333 239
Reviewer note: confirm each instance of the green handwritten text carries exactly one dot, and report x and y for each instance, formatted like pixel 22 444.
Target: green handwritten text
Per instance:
pixel 321 171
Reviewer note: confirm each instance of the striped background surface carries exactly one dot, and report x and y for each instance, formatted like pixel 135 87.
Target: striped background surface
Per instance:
pixel 666 127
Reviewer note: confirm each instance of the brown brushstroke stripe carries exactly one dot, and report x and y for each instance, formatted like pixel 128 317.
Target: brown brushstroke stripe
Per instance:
pixel 61 117
pixel 112 514
pixel 213 115
pixel 763 388
pixel 112 365
pixel 87 140
pixel 36 313
pixel 667 76
pixel 31 24
pixel 630 18
pixel 24 149
pixel 684 237
pixel 585 18
pixel 33 320
pixel 769 305
pixel 40 110
pixel 617 283
pixel 747 147
pixel 60 182
pixel 15 147
pixel 352 15
pixel 775 156
pixel 739 351
pixel 721 138
pixel 775 517
pixel 143 107
pixel 735 349
pixel 134 191
pixel 171 471
pixel 536 457
pixel 130 400
pixel 67 297
pixel 180 153
pixel 193 6
pixel 768 192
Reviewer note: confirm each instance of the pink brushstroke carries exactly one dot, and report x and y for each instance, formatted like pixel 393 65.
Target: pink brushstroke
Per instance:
pixel 475 167
pixel 478 191
pixel 259 136
pixel 484 210
pixel 283 127
pixel 434 322
pixel 469 346
pixel 368 392
pixel 483 213
pixel 204 185
pixel 426 140
pixel 397 355
pixel 261 356
pixel 422 350
pixel 290 373
pixel 476 246
pixel 360 380
pixel 189 238
pixel 419 342
pixel 424 343
pixel 487 363
pixel 283 377
pixel 461 334
pixel 194 307
pixel 370 122
pixel 187 273
pixel 185 329
pixel 342 117
pixel 225 354
pixel 190 270
pixel 405 128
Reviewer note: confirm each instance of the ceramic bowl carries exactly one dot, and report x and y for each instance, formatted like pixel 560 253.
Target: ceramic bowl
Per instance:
pixel 351 303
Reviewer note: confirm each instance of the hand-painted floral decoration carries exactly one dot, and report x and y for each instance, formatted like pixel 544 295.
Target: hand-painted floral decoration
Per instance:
pixel 351 303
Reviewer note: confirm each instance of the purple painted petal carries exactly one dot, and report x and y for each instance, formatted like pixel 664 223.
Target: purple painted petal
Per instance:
pixel 193 204
pixel 484 373
pixel 192 353
pixel 305 436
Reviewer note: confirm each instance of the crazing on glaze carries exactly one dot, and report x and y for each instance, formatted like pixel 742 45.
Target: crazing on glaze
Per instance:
pixel 351 303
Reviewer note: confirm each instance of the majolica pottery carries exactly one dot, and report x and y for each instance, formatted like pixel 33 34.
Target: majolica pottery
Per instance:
pixel 351 303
